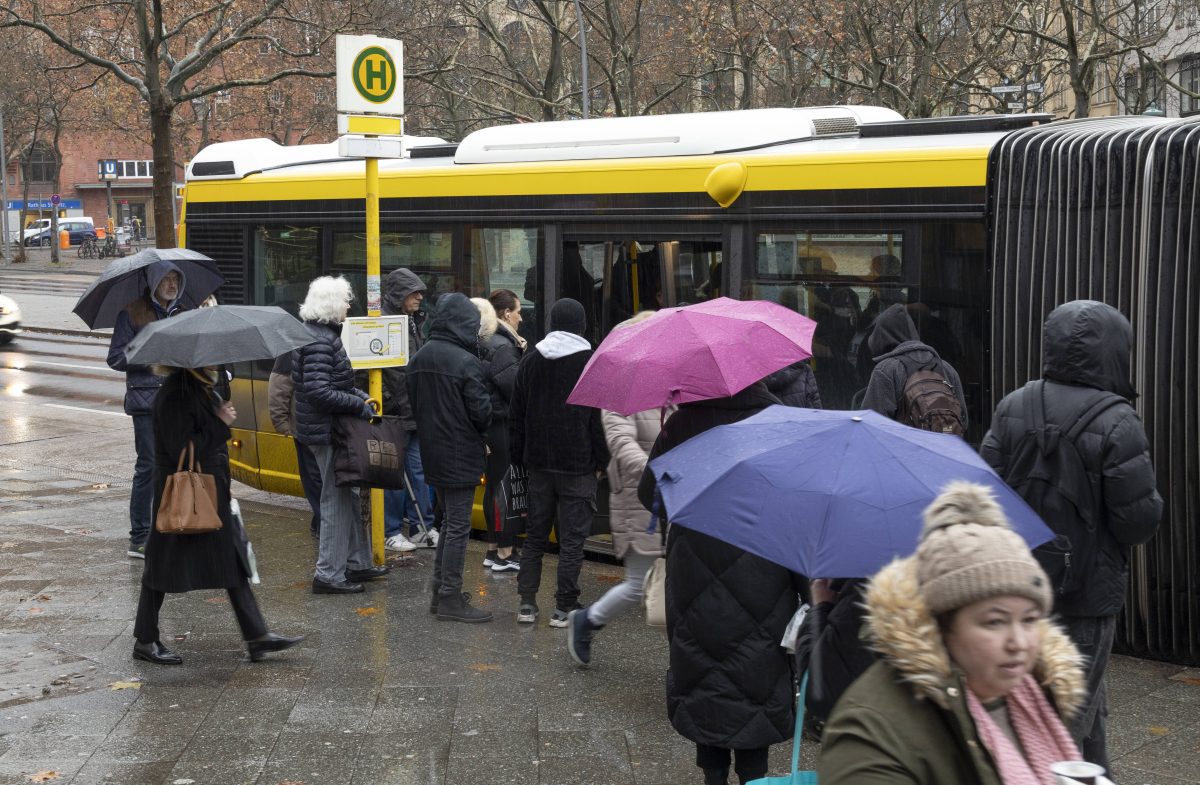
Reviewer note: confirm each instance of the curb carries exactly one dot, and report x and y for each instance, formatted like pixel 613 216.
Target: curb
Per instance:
pixel 65 331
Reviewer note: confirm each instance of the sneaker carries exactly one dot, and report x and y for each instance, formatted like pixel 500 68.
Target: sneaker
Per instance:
pixel 489 558
pixel 527 613
pixel 398 542
pixel 505 565
pixel 428 538
pixel 559 617
pixel 579 637
pixel 136 551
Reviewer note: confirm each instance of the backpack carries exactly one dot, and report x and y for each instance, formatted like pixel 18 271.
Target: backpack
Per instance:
pixel 1048 472
pixel 928 402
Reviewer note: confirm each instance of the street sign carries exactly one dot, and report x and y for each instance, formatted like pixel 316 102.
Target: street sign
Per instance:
pixel 370 75
pixel 1016 104
pixel 107 169
pixel 55 199
pixel 376 342
pixel 1004 89
pixel 1034 87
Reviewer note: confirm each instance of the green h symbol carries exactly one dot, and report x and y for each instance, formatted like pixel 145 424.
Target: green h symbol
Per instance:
pixel 375 71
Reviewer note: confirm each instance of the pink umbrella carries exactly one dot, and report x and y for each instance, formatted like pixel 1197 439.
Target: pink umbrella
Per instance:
pixel 692 353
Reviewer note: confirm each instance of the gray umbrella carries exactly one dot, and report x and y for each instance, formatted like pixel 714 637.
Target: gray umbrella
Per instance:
pixel 125 280
pixel 218 335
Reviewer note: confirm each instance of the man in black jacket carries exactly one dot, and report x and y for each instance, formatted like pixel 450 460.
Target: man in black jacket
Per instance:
pixel 403 292
pixel 452 408
pixel 1085 350
pixel 562 447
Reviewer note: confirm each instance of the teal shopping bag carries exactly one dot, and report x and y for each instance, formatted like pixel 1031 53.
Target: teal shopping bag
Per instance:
pixel 797 777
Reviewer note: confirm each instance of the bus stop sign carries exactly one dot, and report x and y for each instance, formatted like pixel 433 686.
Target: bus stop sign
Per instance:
pixel 370 75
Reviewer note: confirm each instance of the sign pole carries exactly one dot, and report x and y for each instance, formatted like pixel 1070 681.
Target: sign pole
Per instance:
pixel 375 375
pixel 3 192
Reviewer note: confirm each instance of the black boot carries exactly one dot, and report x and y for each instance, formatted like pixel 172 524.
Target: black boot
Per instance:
pixel 457 607
pixel 716 776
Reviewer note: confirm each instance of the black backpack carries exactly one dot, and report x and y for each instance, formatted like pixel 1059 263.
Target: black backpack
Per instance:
pixel 1048 472
pixel 928 402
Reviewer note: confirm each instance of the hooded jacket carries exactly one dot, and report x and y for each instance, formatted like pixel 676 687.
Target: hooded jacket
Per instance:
pixel 1086 346
pixel 141 383
pixel 449 395
pixel 545 432
pixel 795 385
pixel 501 352
pixel 905 721
pixel 323 385
pixel 730 682
pixel 399 284
pixel 899 353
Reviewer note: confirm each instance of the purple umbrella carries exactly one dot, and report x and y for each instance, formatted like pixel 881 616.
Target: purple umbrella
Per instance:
pixel 693 353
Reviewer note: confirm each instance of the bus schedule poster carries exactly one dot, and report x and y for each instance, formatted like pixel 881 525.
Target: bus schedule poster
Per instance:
pixel 376 341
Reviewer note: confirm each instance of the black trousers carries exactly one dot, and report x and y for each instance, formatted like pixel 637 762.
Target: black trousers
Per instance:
pixel 245 608
pixel 310 480
pixel 748 764
pixel 565 503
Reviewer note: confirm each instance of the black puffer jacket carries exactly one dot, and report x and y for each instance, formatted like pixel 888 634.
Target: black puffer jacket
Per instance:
pixel 898 354
pixel 795 385
pixel 323 384
pixel 399 284
pixel 1086 347
pixel 730 682
pixel 450 397
pixel 501 355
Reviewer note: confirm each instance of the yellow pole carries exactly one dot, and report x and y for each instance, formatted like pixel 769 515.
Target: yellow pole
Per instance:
pixel 375 376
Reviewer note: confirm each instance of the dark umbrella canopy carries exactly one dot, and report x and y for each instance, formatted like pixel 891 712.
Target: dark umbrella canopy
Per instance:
pixel 218 335
pixel 125 280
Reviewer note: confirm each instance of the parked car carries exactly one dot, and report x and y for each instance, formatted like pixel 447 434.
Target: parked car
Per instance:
pixel 38 233
pixel 10 319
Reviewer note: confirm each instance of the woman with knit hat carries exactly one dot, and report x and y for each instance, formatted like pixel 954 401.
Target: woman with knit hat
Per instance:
pixel 974 682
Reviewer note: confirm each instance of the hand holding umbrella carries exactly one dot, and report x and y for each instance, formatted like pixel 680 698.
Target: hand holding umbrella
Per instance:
pixel 124 280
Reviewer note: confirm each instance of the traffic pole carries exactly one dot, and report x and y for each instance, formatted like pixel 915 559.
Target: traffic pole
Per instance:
pixel 374 375
pixel 3 192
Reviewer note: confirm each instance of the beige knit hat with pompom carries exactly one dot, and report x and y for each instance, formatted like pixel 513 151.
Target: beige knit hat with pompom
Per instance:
pixel 968 552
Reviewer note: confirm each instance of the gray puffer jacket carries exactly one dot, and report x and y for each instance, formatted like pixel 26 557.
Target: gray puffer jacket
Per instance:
pixel 899 353
pixel 1086 347
pixel 629 441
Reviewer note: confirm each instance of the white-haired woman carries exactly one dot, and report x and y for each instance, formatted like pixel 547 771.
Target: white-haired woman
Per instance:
pixel 973 681
pixel 324 388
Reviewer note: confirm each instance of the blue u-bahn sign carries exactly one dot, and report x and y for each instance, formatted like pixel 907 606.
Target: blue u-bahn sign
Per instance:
pixel 44 204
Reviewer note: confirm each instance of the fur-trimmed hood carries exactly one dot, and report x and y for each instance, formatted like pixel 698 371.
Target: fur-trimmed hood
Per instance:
pixel 905 634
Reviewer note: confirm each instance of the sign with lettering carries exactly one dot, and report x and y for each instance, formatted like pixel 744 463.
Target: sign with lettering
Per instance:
pixel 370 75
pixel 376 341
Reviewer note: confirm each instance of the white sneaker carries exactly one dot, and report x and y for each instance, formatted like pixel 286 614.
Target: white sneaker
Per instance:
pixel 428 539
pixel 398 542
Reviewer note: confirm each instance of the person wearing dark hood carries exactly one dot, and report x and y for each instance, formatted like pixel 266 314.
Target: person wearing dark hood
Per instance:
pixel 453 408
pixel 403 292
pixel 164 286
pixel 729 682
pixel 795 385
pixel 563 449
pixel 1108 504
pixel 896 382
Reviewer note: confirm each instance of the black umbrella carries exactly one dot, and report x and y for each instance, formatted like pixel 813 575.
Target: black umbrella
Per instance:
pixel 125 280
pixel 218 335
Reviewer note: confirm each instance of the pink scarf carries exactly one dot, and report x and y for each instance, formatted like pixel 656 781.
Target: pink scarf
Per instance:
pixel 1043 736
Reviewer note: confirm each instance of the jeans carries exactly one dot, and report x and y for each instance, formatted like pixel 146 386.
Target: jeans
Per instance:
pixel 141 497
pixel 749 764
pixel 241 598
pixel 565 502
pixel 626 594
pixel 1093 636
pixel 452 545
pixel 397 505
pixel 310 480
pixel 344 542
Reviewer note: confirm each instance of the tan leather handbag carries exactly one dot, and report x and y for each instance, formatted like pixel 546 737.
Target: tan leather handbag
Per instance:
pixel 654 593
pixel 189 499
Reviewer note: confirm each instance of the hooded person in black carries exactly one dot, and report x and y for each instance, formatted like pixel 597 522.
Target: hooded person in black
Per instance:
pixel 403 293
pixel 899 353
pixel 1086 348
pixel 452 408
pixel 562 447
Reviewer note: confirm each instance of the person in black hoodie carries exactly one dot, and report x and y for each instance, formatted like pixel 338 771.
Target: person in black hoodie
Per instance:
pixel 899 353
pixel 403 292
pixel 453 409
pixel 1086 348
pixel 562 447
pixel 729 684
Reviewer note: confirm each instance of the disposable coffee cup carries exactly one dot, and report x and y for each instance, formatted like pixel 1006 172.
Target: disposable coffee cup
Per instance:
pixel 1077 772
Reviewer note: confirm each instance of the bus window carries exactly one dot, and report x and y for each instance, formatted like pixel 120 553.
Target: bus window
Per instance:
pixel 841 280
pixel 428 254
pixel 508 258
pixel 286 259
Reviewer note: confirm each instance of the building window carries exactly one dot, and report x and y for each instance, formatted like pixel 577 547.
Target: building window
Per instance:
pixel 40 164
pixel 1189 79
pixel 135 169
pixel 1143 88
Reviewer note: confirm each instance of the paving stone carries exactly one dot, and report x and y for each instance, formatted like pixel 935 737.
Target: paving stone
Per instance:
pixel 112 772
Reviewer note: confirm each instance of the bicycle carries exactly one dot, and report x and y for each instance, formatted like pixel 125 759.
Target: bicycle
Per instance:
pixel 110 248
pixel 89 248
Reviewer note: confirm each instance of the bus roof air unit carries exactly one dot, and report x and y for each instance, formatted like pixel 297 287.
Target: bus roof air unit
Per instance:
pixel 651 136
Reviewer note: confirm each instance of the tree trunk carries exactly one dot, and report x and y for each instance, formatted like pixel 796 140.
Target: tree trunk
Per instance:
pixel 164 173
pixel 1083 101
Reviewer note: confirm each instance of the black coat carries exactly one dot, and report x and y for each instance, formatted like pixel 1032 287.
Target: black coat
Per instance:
pixel 1086 347
pixel 450 397
pixel 141 383
pixel 730 683
pixel 399 284
pixel 899 354
pixel 501 356
pixel 186 409
pixel 545 432
pixel 323 384
pixel 795 385
pixel 832 650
